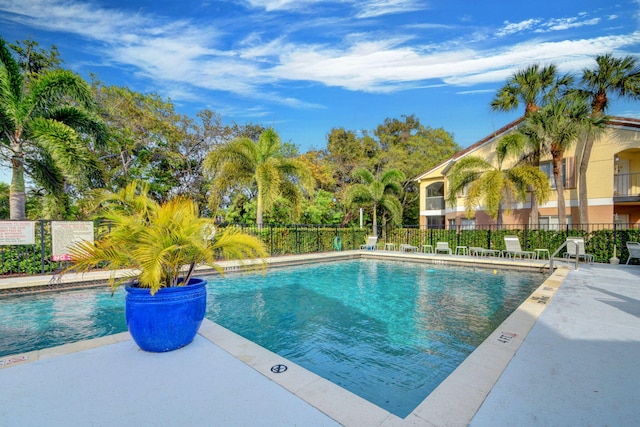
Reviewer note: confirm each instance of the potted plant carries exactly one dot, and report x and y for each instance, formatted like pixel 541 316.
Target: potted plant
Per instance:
pixel 160 245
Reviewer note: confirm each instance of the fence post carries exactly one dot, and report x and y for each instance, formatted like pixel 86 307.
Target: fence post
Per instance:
pixel 42 246
pixel 489 238
pixel 271 239
pixel 615 239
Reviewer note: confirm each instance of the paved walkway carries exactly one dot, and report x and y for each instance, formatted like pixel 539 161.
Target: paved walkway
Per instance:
pixel 577 366
pixel 120 385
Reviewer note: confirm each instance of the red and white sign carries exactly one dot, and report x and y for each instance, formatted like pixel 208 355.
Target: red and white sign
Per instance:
pixel 65 234
pixel 17 233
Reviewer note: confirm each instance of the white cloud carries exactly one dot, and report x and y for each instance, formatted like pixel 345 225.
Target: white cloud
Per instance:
pixel 569 56
pixel 475 92
pixel 374 8
pixel 565 24
pixel 272 5
pixel 511 28
pixel 365 8
pixel 385 66
pixel 186 58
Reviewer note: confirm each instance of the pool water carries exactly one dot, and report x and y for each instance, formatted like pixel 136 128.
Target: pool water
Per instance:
pixel 33 322
pixel 387 331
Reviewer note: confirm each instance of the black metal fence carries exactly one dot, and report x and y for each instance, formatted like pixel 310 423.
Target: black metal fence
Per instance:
pixel 600 240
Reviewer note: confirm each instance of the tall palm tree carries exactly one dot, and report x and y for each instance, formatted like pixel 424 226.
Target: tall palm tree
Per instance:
pixel 557 126
pixel 43 122
pixel 533 86
pixel 261 165
pixel 492 187
pixel 615 76
pixel 381 193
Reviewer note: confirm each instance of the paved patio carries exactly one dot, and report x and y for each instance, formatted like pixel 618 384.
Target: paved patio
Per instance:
pixel 576 366
pixel 579 364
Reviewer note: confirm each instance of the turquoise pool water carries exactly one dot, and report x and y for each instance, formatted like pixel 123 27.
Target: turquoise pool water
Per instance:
pixel 387 331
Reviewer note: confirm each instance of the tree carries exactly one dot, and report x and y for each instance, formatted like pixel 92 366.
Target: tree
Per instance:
pixel 533 86
pixel 4 201
pixel 44 123
pixel 557 126
pixel 380 193
pixel 611 76
pixel 260 166
pixel 492 187
pixel 412 148
pixel 144 134
pixel 34 61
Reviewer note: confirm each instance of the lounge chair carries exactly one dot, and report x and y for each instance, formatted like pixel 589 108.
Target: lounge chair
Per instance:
pixel 513 248
pixel 443 247
pixel 478 251
pixel 634 250
pixel 408 248
pixel 372 243
pixel 575 248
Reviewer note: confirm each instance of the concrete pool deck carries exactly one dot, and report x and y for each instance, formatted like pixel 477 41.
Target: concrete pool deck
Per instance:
pixel 567 356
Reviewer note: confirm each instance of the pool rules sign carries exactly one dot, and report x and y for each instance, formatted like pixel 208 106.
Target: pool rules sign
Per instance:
pixel 17 233
pixel 65 233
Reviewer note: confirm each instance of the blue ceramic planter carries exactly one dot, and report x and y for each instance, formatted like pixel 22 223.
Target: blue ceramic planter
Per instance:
pixel 167 320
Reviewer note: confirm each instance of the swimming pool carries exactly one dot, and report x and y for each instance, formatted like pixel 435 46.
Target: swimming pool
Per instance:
pixel 388 331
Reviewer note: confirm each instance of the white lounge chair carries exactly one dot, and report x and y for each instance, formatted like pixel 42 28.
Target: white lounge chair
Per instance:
pixel 408 248
pixel 372 243
pixel 513 248
pixel 443 247
pixel 575 248
pixel 634 250
pixel 478 251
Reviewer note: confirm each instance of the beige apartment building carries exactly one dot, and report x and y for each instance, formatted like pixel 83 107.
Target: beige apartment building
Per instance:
pixel 613 182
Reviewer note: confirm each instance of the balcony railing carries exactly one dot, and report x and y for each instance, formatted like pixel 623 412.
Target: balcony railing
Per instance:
pixel 435 203
pixel 626 185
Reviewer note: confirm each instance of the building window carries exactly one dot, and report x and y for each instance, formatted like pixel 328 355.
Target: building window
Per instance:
pixel 468 224
pixel 452 224
pixel 435 196
pixel 568 172
pixel 435 221
pixel 551 222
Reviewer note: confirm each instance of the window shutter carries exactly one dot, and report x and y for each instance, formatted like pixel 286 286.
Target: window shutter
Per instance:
pixel 570 172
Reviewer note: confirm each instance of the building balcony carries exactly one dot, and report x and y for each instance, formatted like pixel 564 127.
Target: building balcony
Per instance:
pixel 626 188
pixel 435 203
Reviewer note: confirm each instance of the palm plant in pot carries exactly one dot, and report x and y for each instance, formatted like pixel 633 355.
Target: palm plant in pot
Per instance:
pixel 159 246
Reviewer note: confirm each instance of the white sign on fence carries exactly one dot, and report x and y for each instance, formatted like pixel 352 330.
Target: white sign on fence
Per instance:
pixel 65 233
pixel 17 233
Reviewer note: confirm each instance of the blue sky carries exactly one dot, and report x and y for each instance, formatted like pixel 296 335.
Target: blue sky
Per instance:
pixel 306 66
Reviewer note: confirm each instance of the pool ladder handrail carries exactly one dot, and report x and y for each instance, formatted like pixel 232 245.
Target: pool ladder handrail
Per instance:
pixel 552 257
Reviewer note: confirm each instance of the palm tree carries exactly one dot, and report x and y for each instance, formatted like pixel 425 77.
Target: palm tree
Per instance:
pixel 379 193
pixel 261 165
pixel 616 76
pixel 43 121
pixel 495 188
pixel 156 241
pixel 533 86
pixel 557 126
